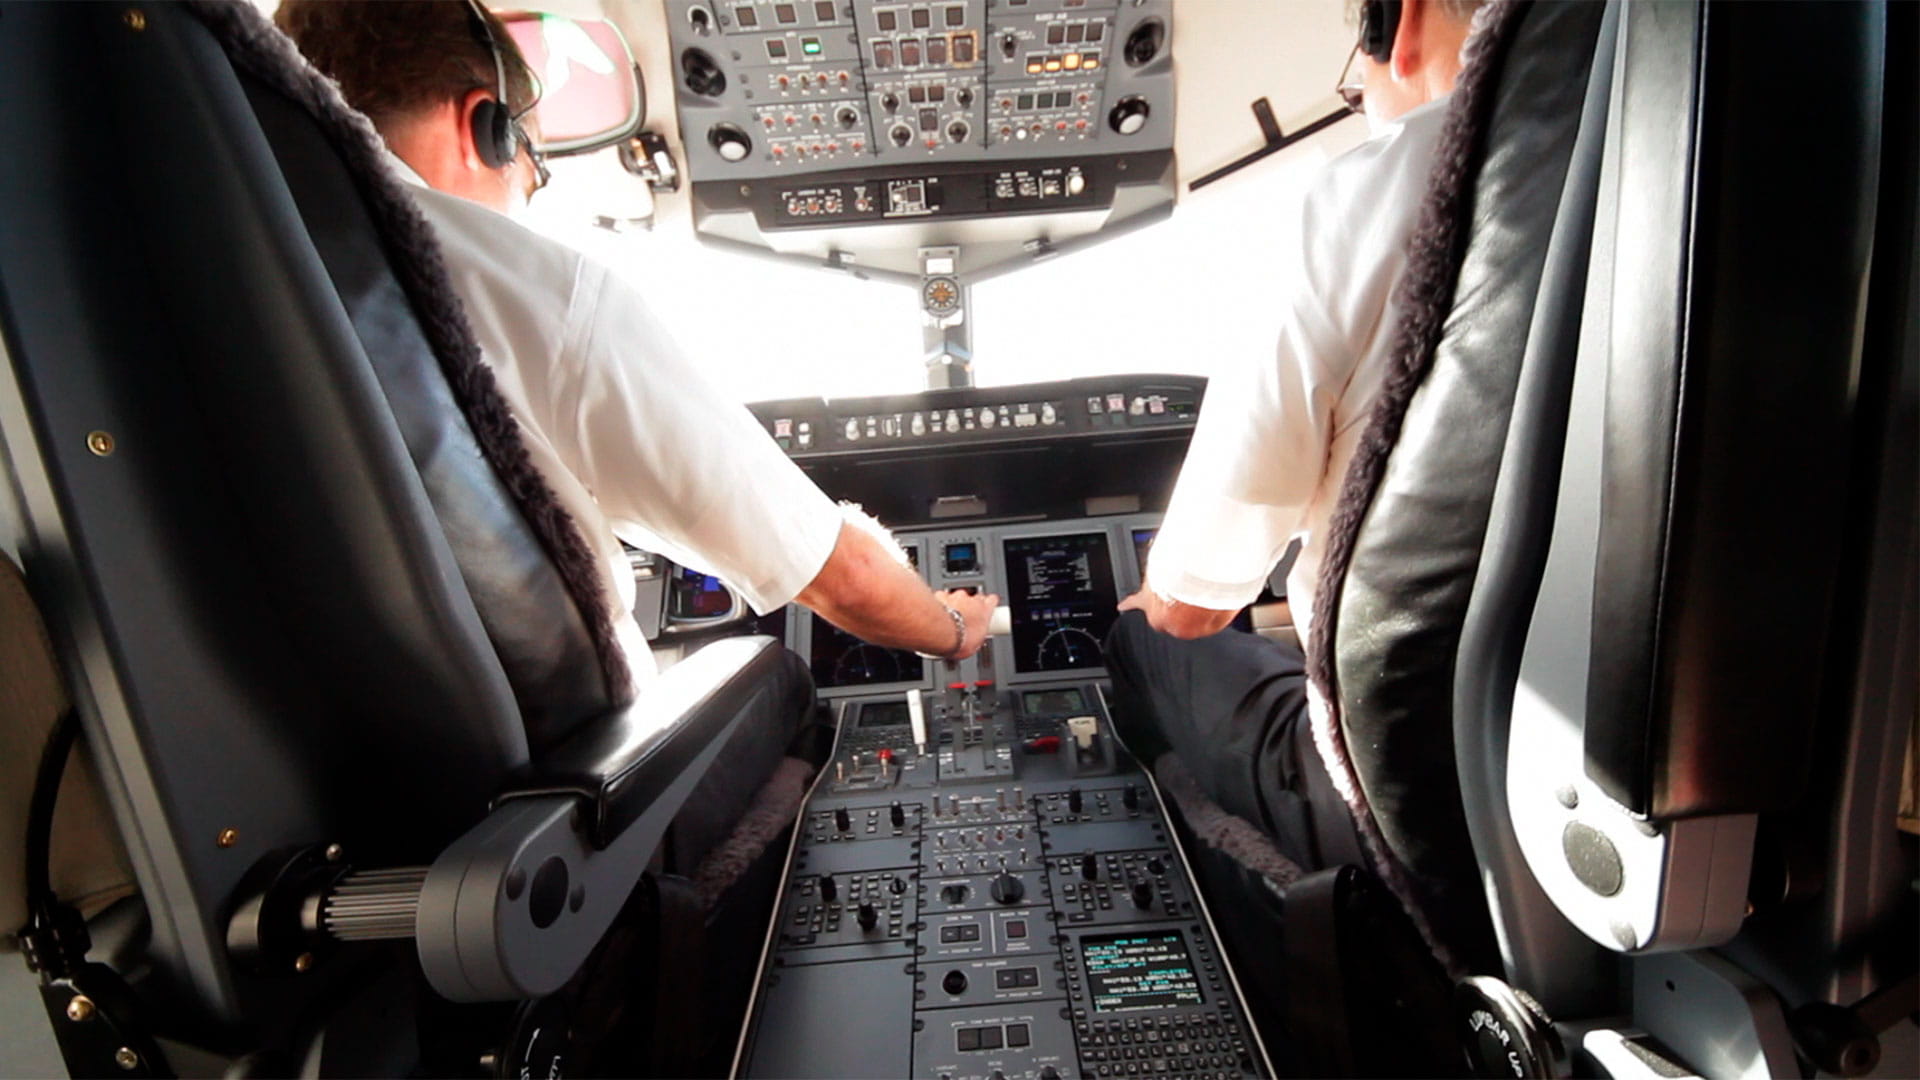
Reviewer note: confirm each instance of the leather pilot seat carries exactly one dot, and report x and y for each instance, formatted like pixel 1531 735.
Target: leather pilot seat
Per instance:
pixel 1618 606
pixel 326 632
pixel 1378 942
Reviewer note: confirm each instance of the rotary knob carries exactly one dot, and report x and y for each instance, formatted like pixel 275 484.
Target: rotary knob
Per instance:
pixel 1129 115
pixel 1507 1033
pixel 897 886
pixel 869 915
pixel 842 820
pixel 955 893
pixel 1007 889
pixel 955 982
pixel 1131 797
pixel 1089 867
pixel 729 142
pixel 1074 802
pixel 897 814
pixel 1142 894
pixel 829 888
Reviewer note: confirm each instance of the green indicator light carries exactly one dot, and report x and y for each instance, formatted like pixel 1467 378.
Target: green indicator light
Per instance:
pixel 810 46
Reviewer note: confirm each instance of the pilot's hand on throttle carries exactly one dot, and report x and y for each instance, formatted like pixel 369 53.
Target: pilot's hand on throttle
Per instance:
pixel 1170 616
pixel 977 609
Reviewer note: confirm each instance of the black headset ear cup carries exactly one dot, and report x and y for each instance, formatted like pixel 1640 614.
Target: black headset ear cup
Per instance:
pixel 1379 19
pixel 493 135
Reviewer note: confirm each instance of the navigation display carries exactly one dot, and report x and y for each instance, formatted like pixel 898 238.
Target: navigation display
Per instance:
pixel 840 659
pixel 1061 594
pixel 1140 971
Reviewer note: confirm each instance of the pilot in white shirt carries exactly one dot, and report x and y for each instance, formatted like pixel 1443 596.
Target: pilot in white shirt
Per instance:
pixel 1276 434
pixel 635 441
pixel 1268 457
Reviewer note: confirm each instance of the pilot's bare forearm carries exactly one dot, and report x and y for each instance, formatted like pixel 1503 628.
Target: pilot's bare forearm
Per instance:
pixel 865 591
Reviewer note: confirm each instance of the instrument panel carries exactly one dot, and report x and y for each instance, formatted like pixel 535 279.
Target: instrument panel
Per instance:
pixel 994 894
pixel 1061 583
pixel 805 116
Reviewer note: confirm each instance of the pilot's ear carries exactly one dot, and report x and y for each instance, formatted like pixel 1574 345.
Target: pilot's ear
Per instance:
pixel 469 104
pixel 1408 49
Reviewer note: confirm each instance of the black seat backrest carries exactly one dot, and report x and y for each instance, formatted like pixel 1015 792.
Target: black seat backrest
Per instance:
pixel 1400 562
pixel 523 560
pixel 1691 640
pixel 288 581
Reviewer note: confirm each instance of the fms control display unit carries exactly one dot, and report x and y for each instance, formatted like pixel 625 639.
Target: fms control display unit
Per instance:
pixel 983 885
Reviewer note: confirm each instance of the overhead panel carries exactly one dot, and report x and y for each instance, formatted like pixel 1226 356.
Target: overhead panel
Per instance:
pixel 862 132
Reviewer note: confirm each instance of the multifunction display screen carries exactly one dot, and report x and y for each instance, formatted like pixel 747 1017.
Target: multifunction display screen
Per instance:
pixel 840 659
pixel 1139 971
pixel 1061 592
pixel 695 595
pixel 1143 543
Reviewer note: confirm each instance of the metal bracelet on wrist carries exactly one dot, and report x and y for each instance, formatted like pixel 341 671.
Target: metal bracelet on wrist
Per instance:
pixel 959 635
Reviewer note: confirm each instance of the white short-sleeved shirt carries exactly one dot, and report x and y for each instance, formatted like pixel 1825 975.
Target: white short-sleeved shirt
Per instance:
pixel 632 438
pixel 1276 433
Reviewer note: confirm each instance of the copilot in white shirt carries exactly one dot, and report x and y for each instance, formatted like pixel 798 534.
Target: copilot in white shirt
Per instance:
pixel 632 438
pixel 1276 433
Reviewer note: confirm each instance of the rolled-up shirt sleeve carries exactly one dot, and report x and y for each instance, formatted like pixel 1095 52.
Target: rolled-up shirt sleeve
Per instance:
pixel 677 466
pixel 1258 455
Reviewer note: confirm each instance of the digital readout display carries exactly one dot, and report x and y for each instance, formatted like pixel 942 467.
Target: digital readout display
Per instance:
pixel 1067 702
pixel 1139 971
pixel 962 559
pixel 884 714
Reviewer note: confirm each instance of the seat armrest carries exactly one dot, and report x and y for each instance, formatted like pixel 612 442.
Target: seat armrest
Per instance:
pixel 514 907
pixel 619 767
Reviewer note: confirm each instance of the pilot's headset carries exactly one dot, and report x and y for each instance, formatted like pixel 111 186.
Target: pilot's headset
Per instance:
pixel 497 134
pixel 1379 22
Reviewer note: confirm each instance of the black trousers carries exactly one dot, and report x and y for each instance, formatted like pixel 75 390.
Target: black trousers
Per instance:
pixel 1234 707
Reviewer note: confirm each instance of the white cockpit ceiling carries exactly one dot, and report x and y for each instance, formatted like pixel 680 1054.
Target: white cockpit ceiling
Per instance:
pixel 1184 296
